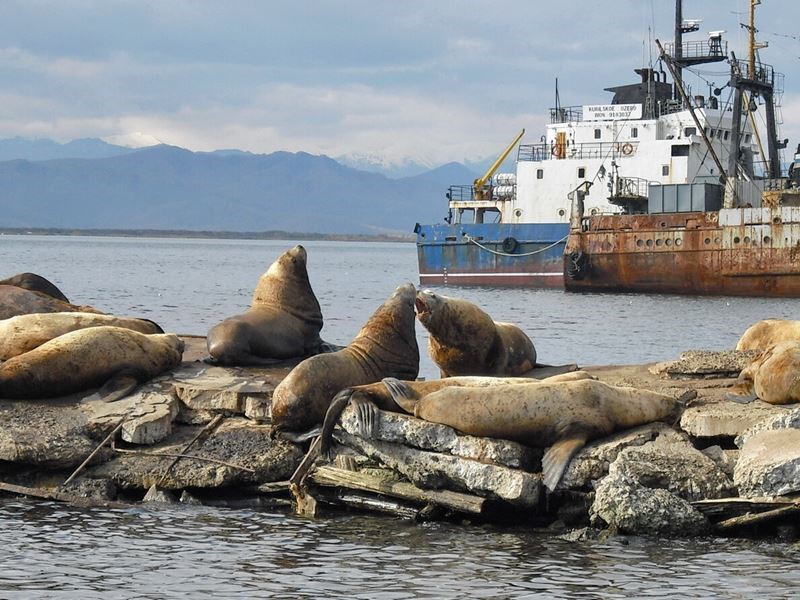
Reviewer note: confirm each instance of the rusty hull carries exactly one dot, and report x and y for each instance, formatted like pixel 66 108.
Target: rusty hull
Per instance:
pixel 738 252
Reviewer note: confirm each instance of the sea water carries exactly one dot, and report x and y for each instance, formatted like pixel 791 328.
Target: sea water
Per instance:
pixel 188 285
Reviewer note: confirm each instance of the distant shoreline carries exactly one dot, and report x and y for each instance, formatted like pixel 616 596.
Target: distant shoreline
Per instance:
pixel 224 235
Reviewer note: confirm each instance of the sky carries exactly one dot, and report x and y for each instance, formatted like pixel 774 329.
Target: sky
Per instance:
pixel 424 81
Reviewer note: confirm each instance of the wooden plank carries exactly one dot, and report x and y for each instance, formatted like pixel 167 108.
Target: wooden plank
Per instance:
pixel 755 519
pixel 370 482
pixel 52 494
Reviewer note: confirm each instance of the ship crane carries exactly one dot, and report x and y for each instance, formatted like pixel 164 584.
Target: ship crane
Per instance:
pixel 480 189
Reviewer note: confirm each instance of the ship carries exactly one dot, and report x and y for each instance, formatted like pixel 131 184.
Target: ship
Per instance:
pixel 661 190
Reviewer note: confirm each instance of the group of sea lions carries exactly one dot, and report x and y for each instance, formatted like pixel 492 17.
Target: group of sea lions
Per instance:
pixel 51 348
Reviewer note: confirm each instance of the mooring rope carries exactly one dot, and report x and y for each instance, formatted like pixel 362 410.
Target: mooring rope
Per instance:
pixel 472 240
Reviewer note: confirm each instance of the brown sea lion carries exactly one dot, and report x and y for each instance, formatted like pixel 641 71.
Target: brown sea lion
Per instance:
pixel 766 333
pixel 36 283
pixel 771 377
pixel 283 321
pixel 368 398
pixel 562 415
pixel 15 300
pixel 386 346
pixel 87 358
pixel 464 340
pixel 25 332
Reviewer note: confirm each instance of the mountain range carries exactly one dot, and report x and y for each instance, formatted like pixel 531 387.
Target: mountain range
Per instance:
pixel 89 184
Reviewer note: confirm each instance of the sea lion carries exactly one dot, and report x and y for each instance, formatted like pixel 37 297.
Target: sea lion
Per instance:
pixel 15 300
pixel 464 340
pixel 88 358
pixel 763 334
pixel 283 321
pixel 36 283
pixel 25 332
pixel 562 415
pixel 371 397
pixel 386 346
pixel 772 376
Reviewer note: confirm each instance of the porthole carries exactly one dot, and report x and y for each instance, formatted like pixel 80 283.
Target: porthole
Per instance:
pixel 747 239
pixel 639 243
pixel 707 241
pixel 716 240
pixel 659 242
pixel 767 239
pixel 736 240
pixel 593 211
pixel 668 242
pixel 518 212
pixel 663 224
pixel 649 243
pixel 678 241
pixel 561 212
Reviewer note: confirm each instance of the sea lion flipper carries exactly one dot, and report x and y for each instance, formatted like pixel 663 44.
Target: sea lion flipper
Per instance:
pixel 338 404
pixel 740 398
pixel 367 416
pixel 116 388
pixel 557 457
pixel 402 394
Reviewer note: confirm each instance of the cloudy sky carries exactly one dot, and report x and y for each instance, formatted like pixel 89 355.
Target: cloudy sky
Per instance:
pixel 431 80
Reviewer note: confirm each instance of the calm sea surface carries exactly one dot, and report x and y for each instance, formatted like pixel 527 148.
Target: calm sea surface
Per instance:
pixel 187 286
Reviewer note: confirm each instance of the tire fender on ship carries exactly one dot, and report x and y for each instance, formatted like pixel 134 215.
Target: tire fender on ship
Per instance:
pixel 510 244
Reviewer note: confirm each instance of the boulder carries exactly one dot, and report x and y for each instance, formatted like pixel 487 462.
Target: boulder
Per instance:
pixel 769 464
pixel 726 418
pixel 785 420
pixel 218 389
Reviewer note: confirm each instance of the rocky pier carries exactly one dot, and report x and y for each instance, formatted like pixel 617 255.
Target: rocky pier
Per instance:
pixel 202 434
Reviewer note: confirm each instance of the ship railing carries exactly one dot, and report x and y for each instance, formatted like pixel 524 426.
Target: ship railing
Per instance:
pixel 632 187
pixel 712 49
pixel 540 152
pixel 492 193
pixel 761 73
pixel 566 114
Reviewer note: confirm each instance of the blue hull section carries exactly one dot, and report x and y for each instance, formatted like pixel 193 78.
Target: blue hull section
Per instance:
pixel 529 254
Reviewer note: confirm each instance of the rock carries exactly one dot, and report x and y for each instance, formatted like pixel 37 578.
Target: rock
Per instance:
pixel 219 389
pixel 585 534
pixel 592 461
pixel 258 409
pixel 50 433
pixel 148 415
pixel 625 505
pixel 769 464
pixel 235 440
pixel 787 420
pixel 398 428
pixel 96 489
pixel 190 499
pixel 189 416
pixel 431 470
pixel 155 494
pixel 726 418
pixel 707 363
pixel 724 459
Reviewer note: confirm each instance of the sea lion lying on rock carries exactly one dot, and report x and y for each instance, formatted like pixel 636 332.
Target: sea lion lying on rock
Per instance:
pixel 464 340
pixel 771 377
pixel 562 415
pixel 371 397
pixel 386 346
pixel 25 332
pixel 35 283
pixel 283 321
pixel 88 358
pixel 15 300
pixel 766 333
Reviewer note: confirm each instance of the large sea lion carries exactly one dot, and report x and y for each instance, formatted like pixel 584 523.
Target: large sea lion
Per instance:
pixel 562 415
pixel 283 321
pixel 15 300
pixel 464 340
pixel 763 334
pixel 88 358
pixel 772 376
pixel 36 283
pixel 25 332
pixel 386 346
pixel 370 397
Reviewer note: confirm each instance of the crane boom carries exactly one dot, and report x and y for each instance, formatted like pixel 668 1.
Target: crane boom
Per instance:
pixel 480 183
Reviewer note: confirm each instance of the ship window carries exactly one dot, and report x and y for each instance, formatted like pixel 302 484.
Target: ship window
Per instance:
pixel 581 172
pixel 727 133
pixel 689 131
pixel 710 134
pixel 634 132
pixel 746 138
pixel 597 134
pixel 680 150
pixel 539 173
pixel 665 170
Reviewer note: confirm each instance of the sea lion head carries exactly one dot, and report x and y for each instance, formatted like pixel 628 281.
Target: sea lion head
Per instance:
pixel 428 305
pixel 285 285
